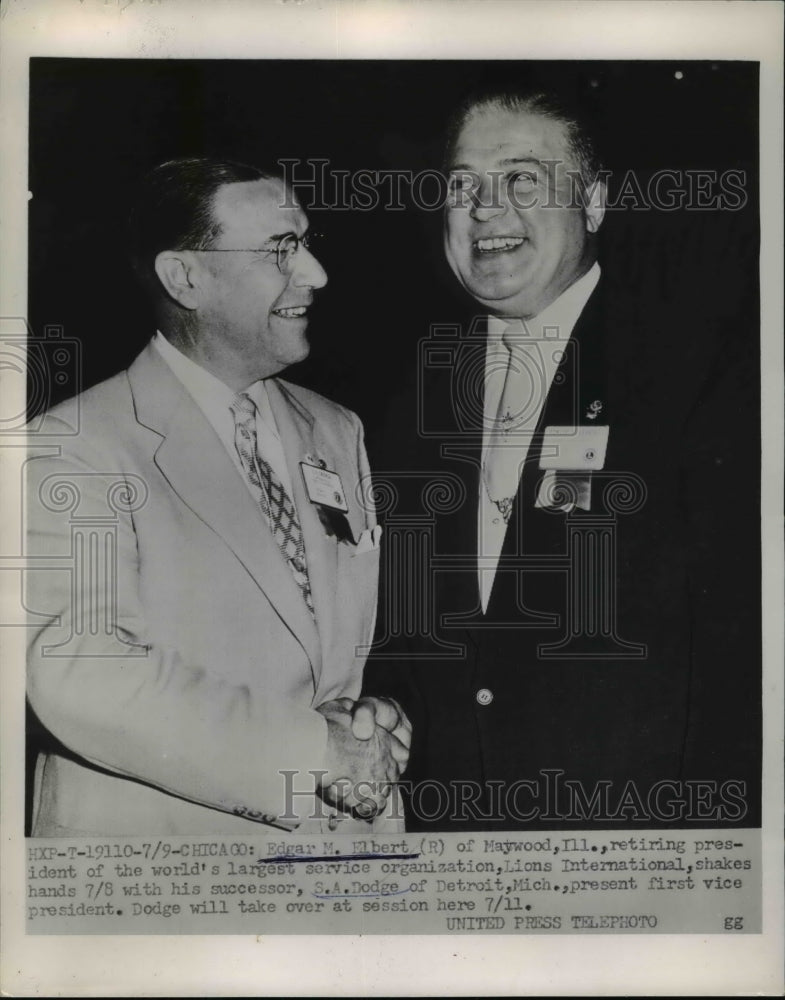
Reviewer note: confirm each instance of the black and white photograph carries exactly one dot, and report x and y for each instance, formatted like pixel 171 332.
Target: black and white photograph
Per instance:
pixel 392 553
pixel 557 384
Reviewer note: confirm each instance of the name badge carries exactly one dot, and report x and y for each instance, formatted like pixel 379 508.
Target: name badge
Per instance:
pixel 324 487
pixel 574 448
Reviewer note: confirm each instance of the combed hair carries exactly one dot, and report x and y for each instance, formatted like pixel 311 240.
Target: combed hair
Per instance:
pixel 549 105
pixel 173 208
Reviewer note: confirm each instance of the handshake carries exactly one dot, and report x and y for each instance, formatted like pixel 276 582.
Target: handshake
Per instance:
pixel 367 751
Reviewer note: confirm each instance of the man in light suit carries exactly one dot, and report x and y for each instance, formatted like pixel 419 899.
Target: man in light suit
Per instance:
pixel 591 655
pixel 203 558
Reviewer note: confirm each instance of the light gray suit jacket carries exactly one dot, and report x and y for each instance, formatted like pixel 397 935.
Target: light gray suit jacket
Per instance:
pixel 172 656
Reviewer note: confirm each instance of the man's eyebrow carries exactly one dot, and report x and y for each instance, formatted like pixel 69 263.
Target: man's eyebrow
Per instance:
pixel 508 161
pixel 280 236
pixel 512 161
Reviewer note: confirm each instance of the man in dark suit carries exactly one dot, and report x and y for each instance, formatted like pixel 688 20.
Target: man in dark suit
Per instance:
pixel 584 460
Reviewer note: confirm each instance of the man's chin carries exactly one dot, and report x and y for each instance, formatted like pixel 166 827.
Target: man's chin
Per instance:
pixel 502 301
pixel 299 352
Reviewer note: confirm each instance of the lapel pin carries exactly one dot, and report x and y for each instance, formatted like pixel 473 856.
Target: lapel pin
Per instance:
pixel 594 409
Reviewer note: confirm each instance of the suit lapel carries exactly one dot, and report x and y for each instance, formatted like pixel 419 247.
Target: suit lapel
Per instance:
pixel 196 465
pixel 580 382
pixel 585 376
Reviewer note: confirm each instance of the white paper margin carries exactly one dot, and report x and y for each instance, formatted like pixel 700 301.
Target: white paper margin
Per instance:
pixel 345 29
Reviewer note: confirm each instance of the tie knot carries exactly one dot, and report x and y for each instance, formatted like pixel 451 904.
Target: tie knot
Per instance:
pixel 243 407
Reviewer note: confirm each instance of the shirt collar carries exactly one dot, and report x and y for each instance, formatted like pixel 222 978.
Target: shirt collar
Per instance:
pixel 202 385
pixel 213 396
pixel 562 314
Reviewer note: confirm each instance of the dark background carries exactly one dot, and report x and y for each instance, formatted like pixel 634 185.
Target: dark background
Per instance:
pixel 97 125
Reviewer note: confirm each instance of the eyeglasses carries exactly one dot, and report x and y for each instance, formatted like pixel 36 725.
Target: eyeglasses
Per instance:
pixel 285 249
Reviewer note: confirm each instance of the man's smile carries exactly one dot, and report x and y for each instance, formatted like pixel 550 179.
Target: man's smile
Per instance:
pixel 291 312
pixel 497 244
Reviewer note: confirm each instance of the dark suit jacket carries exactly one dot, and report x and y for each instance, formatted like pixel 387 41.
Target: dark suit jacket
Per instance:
pixel 620 645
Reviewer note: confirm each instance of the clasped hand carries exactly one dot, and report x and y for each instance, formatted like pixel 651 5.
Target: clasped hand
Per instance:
pixel 367 750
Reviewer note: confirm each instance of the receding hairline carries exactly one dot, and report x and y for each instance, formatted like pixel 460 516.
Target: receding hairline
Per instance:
pixel 579 142
pixel 240 200
pixel 478 110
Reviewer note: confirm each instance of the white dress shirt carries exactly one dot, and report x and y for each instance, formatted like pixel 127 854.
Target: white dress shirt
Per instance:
pixel 214 398
pixel 553 326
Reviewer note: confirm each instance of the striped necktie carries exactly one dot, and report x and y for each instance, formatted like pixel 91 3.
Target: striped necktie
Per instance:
pixel 274 502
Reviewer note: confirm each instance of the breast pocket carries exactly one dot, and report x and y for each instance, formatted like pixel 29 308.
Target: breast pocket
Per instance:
pixel 357 590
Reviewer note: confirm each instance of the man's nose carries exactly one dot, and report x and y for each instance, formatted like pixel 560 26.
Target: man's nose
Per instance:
pixel 307 269
pixel 487 199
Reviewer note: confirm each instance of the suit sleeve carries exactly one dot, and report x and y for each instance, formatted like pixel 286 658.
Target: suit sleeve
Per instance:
pixel 112 696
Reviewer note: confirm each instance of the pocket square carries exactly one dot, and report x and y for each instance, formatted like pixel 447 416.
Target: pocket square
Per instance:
pixel 368 540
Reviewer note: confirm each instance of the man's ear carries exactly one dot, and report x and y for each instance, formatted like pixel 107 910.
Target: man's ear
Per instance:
pixel 176 273
pixel 595 205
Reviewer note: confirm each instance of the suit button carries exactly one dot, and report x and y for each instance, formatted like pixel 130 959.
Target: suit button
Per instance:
pixel 484 696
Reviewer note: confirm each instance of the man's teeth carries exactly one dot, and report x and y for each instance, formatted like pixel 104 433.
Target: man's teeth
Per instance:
pixel 499 243
pixel 294 312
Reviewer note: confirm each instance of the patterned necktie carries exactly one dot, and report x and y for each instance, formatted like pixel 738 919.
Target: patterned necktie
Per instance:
pixel 274 502
pixel 516 419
